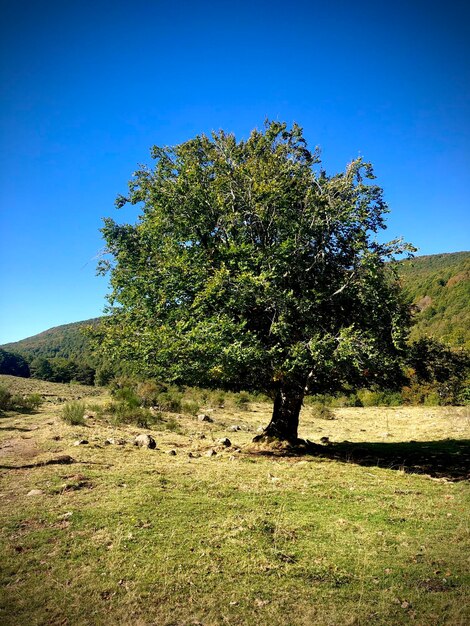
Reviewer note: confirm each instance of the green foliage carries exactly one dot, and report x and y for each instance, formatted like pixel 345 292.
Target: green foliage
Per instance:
pixel 73 413
pixel 13 364
pixel 63 354
pixel 5 398
pixel 439 371
pixel 251 268
pixel 321 411
pixel 439 287
pixel 125 412
pixel 17 402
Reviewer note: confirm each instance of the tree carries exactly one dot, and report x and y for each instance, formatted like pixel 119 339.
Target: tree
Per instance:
pixel 13 364
pixel 251 268
pixel 444 369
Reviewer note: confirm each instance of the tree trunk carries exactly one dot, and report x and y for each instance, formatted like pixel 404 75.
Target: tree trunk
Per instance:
pixel 285 418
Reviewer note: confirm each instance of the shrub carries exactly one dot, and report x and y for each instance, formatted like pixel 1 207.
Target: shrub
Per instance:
pixel 172 425
pixel 123 413
pixel 432 399
pixel 128 396
pixel 169 401
pixel 241 400
pixel 321 411
pixel 190 407
pixel 5 399
pixel 73 413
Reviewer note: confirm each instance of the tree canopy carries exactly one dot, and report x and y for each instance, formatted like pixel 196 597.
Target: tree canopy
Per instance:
pixel 250 267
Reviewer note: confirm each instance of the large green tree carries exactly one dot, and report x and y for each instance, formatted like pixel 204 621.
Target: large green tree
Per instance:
pixel 250 267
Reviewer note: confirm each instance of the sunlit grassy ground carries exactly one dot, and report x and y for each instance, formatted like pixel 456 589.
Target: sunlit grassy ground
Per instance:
pixel 134 536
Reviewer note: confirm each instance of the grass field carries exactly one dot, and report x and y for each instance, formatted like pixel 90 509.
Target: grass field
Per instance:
pixel 372 529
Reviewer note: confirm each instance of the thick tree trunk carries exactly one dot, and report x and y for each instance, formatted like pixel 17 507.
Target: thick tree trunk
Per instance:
pixel 285 418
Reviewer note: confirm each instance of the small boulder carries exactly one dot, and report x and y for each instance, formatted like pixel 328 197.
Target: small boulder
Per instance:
pixel 80 442
pixel 35 492
pixel 210 453
pixel 172 452
pixel 234 428
pixel 145 441
pixel 225 441
pixel 325 440
pixel 202 417
pixel 194 455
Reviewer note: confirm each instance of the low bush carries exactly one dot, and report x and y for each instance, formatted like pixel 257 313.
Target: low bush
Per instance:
pixel 241 400
pixel 73 413
pixel 5 399
pixel 322 412
pixel 190 407
pixel 123 413
pixel 9 402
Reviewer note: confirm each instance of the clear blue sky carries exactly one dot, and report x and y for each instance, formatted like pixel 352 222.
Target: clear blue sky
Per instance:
pixel 89 86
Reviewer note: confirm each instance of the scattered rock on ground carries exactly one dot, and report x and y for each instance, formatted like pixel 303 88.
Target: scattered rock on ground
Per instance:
pixel 194 455
pixel 202 417
pixel 325 440
pixel 35 492
pixel 234 428
pixel 172 452
pixel 210 452
pixel 225 441
pixel 145 441
pixel 81 442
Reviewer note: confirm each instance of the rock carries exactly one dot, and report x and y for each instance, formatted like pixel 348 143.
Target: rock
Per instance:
pixel 62 459
pixel 210 453
pixel 194 455
pixel 118 442
pixel 234 428
pixel 56 438
pixel 80 442
pixel 35 492
pixel 172 452
pixel 145 441
pixel 88 416
pixel 260 429
pixel 225 441
pixel 202 417
pixel 325 440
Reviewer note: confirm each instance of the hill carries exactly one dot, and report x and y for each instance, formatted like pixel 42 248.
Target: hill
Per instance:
pixel 66 341
pixel 439 287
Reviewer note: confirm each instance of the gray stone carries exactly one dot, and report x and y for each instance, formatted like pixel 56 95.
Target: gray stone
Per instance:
pixel 145 441
pixel 210 453
pixel 80 442
pixel 225 441
pixel 202 417
pixel 194 455
pixel 234 428
pixel 35 492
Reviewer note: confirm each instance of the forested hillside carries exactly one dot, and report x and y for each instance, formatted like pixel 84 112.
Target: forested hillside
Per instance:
pixel 439 286
pixel 66 341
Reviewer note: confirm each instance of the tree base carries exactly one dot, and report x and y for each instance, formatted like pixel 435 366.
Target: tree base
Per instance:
pixel 276 445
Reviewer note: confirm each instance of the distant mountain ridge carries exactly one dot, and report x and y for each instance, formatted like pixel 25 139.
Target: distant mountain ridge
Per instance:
pixel 438 285
pixel 65 341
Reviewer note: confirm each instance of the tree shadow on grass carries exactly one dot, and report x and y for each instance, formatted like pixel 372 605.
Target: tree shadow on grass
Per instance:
pixel 448 458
